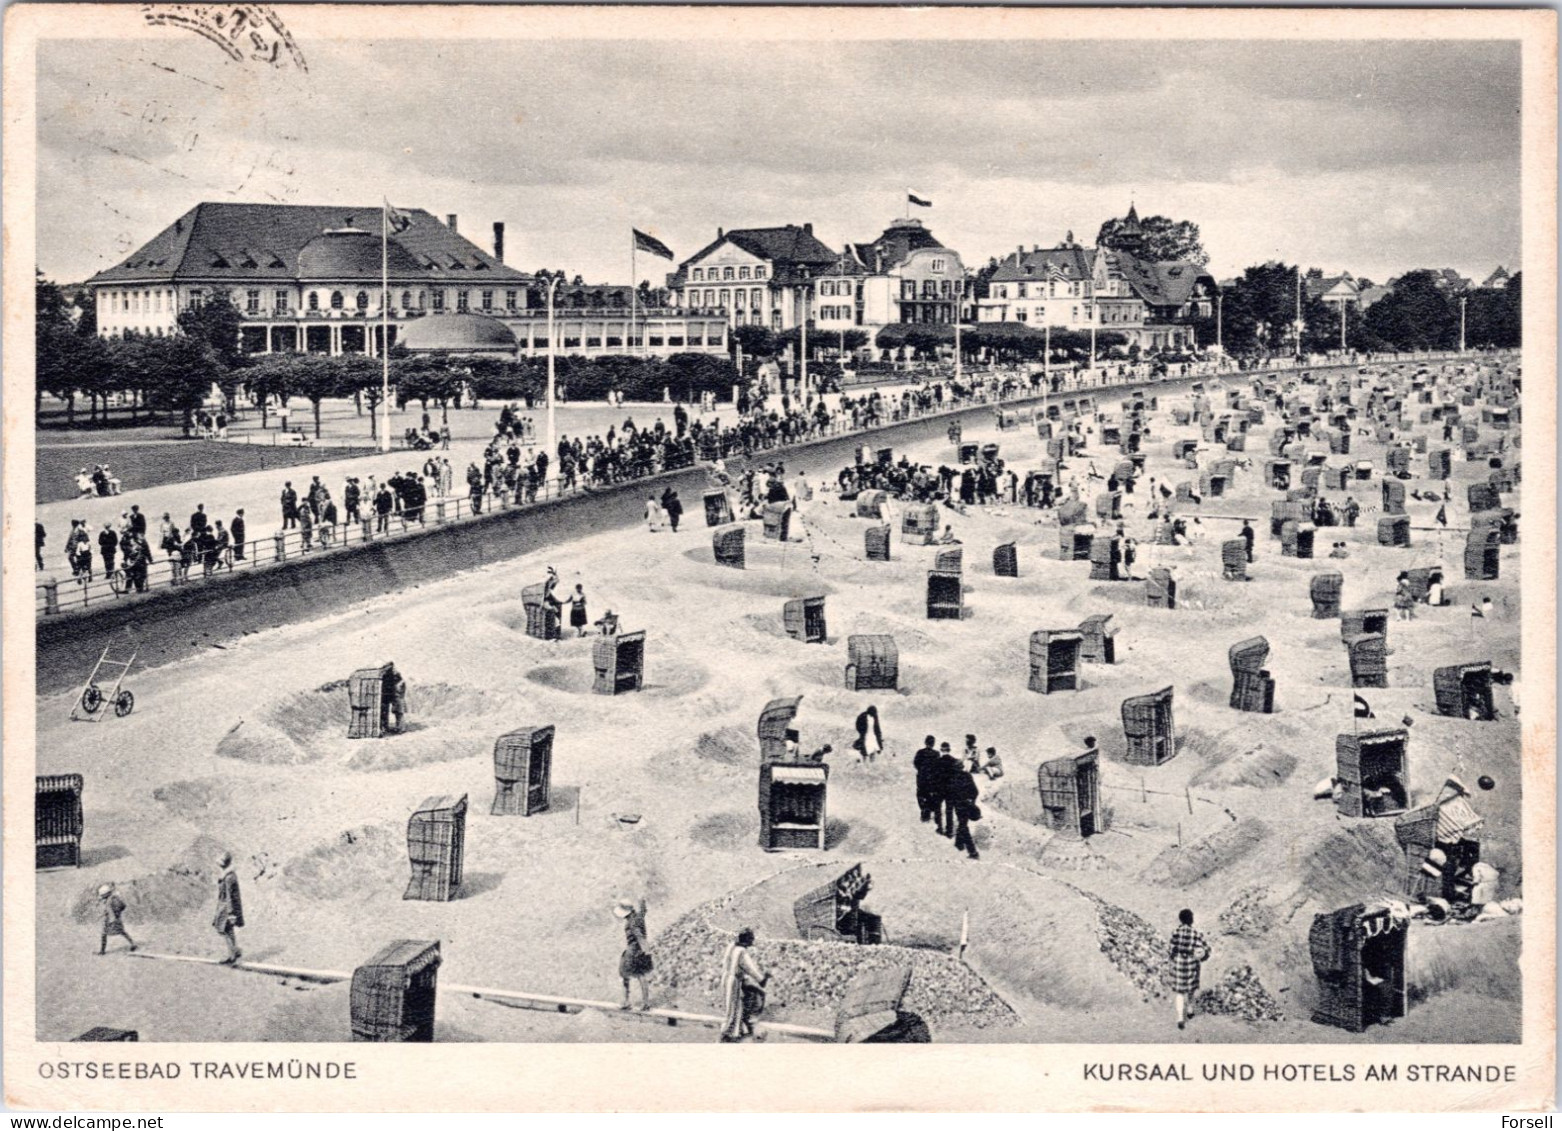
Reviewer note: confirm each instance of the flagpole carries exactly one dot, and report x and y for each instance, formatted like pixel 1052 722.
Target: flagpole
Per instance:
pixel 634 298
pixel 385 326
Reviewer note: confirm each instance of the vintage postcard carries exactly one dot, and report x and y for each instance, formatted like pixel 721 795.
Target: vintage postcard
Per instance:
pixel 636 532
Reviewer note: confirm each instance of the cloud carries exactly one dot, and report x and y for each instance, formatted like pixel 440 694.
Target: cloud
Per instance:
pixel 1373 157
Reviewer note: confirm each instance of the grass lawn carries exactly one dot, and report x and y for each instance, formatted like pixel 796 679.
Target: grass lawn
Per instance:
pixel 154 464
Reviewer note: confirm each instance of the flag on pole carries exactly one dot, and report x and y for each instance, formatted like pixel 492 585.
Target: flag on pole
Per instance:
pixel 651 244
pixel 397 220
pixel 1363 710
pixel 913 198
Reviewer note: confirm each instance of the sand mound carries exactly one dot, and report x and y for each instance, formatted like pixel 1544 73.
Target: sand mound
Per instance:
pixel 726 832
pixel 265 746
pixel 1259 768
pixel 1482 958
pixel 666 676
pixel 771 570
pixel 357 864
pixel 855 836
pixel 1185 866
pixel 190 799
pixel 767 624
pixel 907 639
pixel 188 882
pixel 727 747
pixel 1356 861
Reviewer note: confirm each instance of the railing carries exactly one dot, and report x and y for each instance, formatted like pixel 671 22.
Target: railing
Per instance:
pixel 66 594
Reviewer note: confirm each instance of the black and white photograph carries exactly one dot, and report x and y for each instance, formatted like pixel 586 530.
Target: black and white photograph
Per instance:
pixel 588 528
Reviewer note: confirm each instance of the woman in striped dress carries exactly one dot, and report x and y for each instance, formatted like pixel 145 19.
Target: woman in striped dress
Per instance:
pixel 1187 953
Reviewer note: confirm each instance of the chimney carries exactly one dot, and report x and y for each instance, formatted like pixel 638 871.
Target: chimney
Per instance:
pixel 720 235
pixel 1019 254
pixel 808 228
pixel 498 240
pixel 450 221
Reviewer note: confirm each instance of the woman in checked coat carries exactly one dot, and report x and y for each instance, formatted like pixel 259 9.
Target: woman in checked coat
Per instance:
pixel 1187 953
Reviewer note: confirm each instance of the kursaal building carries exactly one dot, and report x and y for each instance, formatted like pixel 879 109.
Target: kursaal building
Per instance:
pixel 310 278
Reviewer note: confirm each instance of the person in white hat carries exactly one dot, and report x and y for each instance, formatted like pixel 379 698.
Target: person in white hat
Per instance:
pixel 635 962
pixel 112 907
pixel 230 908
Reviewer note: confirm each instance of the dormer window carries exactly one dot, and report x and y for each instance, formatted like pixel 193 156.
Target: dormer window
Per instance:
pixel 759 272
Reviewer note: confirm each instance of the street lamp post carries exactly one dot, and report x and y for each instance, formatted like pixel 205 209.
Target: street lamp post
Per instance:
pixel 802 371
pixel 1092 337
pixel 552 283
pixel 1462 300
pixel 1342 327
pixel 1220 342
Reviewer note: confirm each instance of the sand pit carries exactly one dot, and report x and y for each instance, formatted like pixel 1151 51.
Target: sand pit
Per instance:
pixel 1262 767
pixel 311 726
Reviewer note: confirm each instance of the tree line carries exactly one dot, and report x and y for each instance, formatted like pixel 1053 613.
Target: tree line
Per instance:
pixel 1420 312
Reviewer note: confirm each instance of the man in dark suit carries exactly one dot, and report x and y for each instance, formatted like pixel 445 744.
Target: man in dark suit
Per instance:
pixel 236 530
pixel 962 792
pixel 289 506
pixel 925 762
pixel 949 773
pixel 198 519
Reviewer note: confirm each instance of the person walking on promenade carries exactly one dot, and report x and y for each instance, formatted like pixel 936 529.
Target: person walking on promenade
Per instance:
pixel 306 525
pixel 230 908
pixel 674 508
pixel 108 546
pixel 1188 952
pixel 382 510
pixel 39 538
pixel 635 962
pixel 112 909
pixel 236 529
pixel 352 495
pixel 289 506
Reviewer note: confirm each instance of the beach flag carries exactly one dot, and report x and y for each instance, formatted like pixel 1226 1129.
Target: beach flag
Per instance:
pixel 913 198
pixel 651 244
pixel 397 220
pixel 1363 709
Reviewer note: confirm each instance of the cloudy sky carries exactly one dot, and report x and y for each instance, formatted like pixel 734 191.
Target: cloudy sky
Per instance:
pixel 1373 158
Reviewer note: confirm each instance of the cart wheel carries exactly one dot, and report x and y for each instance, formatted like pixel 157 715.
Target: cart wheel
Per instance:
pixel 91 699
pixel 118 582
pixel 124 704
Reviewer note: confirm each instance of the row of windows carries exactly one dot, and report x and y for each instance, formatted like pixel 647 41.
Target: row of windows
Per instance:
pixel 701 274
pixel 843 289
pixel 1052 289
pixel 336 300
pixel 931 288
pixel 140 302
pixel 828 313
pixel 740 298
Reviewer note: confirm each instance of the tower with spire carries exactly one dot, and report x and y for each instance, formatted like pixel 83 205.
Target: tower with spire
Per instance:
pixel 1130 235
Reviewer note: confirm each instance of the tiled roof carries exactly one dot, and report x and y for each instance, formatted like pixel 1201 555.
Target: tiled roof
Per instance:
pixel 1498 278
pixel 1161 284
pixel 261 242
pixel 786 247
pixel 895 244
pixel 1318 287
pixel 1071 262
